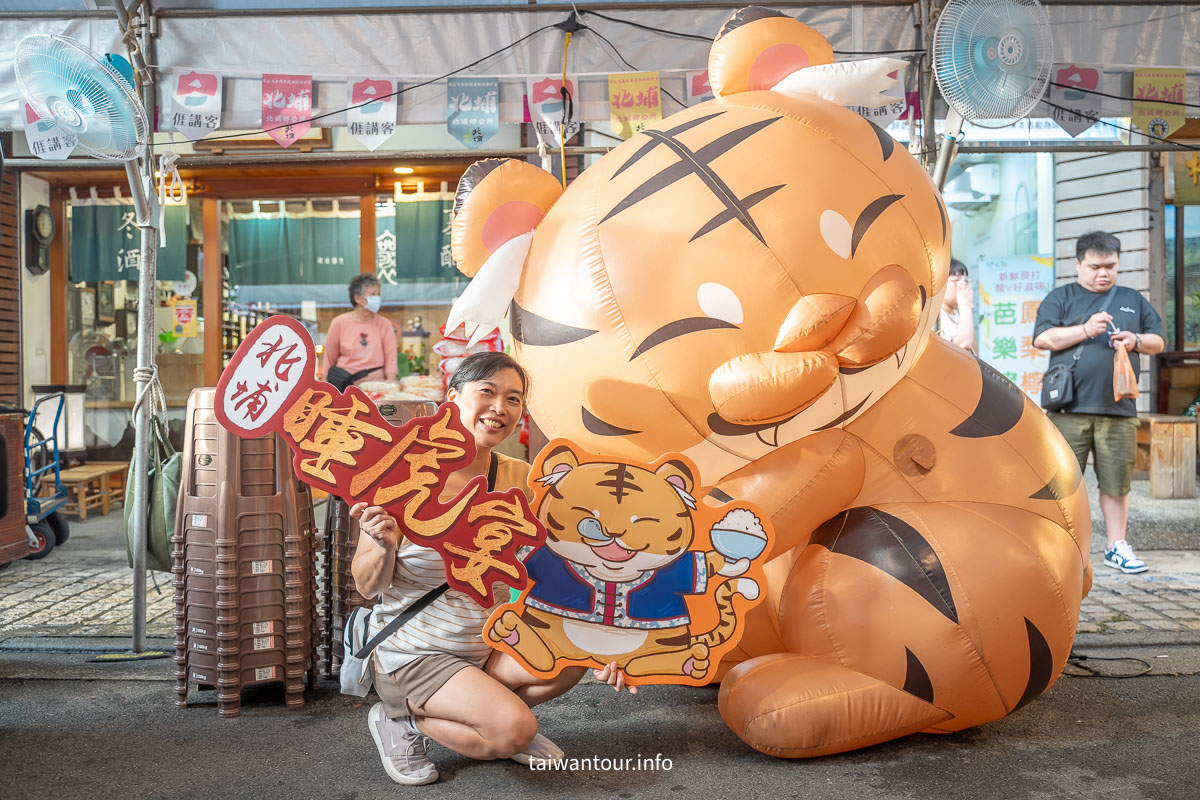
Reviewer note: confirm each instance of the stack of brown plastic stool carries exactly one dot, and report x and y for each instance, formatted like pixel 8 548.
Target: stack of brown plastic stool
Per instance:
pixel 341 538
pixel 243 555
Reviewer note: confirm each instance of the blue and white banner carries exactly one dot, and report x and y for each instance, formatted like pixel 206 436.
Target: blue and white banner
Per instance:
pixel 473 109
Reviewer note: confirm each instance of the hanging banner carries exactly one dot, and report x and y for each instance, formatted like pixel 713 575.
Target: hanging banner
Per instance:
pixel 196 104
pixel 1187 177
pixel 696 88
pixel 343 445
pixel 106 243
pixel 286 101
pixel 553 112
pixel 634 102
pixel 473 109
pixel 1073 101
pixel 373 123
pixel 1158 95
pixel 886 115
pixel 184 311
pixel 1010 291
pixel 44 139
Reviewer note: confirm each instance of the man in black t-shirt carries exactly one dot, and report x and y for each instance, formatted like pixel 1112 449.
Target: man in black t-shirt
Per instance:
pixel 1087 319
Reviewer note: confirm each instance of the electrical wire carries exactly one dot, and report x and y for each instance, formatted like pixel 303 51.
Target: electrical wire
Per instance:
pixel 1123 97
pixel 612 46
pixel 567 101
pixel 1132 131
pixel 708 39
pixel 1075 660
pixel 398 92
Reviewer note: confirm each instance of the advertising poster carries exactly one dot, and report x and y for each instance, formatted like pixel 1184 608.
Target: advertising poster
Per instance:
pixel 1010 291
pixel 45 140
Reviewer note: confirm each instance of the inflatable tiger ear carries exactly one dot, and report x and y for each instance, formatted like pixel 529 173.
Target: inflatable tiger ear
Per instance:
pixel 761 49
pixel 498 205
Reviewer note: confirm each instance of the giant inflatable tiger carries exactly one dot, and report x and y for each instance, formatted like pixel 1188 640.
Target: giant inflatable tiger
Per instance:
pixel 753 282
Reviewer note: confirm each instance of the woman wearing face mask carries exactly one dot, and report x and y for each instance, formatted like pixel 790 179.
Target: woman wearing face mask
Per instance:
pixel 361 341
pixel 436 677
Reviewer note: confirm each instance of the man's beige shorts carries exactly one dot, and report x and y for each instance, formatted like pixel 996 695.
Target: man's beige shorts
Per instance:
pixel 1112 440
pixel 415 682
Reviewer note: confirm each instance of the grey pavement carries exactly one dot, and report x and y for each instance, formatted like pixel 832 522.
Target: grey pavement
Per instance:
pixel 73 729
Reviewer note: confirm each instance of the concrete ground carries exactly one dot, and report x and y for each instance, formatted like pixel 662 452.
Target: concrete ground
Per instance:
pixel 70 728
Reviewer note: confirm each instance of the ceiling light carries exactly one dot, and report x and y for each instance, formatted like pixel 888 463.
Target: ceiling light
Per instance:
pixel 403 170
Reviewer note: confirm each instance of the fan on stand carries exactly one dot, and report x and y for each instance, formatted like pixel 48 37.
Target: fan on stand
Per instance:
pixel 88 96
pixel 991 61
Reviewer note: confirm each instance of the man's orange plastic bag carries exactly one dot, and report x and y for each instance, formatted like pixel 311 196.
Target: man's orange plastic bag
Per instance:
pixel 1124 379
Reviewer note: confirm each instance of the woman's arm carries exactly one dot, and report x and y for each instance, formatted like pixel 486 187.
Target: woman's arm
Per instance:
pixel 375 556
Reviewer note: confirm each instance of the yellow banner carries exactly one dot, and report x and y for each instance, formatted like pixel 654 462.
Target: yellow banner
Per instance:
pixel 185 319
pixel 1154 92
pixel 634 102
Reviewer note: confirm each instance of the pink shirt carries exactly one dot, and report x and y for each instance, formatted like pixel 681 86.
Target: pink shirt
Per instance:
pixel 355 346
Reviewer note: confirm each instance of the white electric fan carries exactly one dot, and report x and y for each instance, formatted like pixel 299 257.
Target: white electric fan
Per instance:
pixel 87 96
pixel 991 61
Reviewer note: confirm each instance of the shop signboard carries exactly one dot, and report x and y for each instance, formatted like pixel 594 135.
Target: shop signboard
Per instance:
pixel 1010 290
pixel 1187 177
pixel 473 109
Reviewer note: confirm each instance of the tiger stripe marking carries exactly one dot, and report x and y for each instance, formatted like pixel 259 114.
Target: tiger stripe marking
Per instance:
pixel 868 216
pixel 998 410
pixel 893 546
pixel 1041 664
pixel 916 678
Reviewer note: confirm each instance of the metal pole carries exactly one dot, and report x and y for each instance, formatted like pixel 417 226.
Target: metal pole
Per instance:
pixel 141 186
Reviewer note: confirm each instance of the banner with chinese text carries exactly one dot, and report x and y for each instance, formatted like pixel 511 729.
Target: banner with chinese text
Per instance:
pixel 371 118
pixel 1159 95
pixel 553 110
pixel 286 102
pixel 196 104
pixel 45 139
pixel 1187 177
pixel 106 243
pixel 696 88
pixel 473 109
pixel 634 102
pixel 886 115
pixel 412 245
pixel 1072 98
pixel 1010 291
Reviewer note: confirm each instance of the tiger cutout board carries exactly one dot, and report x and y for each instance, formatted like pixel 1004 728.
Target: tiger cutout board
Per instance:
pixel 633 570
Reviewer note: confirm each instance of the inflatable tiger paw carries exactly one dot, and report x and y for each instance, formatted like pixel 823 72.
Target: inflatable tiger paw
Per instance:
pixel 752 283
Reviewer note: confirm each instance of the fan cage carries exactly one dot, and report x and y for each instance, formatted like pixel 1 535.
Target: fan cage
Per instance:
pixel 81 94
pixel 968 46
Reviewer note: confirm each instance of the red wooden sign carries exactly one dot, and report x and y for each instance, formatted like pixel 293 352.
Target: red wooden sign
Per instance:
pixel 344 446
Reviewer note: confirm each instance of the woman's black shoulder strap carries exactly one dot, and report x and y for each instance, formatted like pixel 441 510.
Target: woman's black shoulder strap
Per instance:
pixel 492 470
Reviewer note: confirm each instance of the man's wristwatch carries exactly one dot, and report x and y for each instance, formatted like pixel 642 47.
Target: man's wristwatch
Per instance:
pixel 1137 342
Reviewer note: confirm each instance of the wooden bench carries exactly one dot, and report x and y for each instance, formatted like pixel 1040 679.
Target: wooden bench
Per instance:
pixel 1167 448
pixel 95 485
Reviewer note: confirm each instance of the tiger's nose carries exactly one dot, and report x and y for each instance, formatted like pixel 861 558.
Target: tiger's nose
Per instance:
pixel 813 322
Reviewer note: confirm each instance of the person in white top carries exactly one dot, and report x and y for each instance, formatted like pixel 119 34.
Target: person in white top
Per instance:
pixel 956 320
pixel 435 675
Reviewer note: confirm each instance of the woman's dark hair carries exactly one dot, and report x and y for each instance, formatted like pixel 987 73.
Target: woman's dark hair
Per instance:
pixel 359 284
pixel 481 366
pixel 957 267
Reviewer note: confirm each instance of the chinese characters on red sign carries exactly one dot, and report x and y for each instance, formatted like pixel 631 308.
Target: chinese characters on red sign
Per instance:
pixel 342 444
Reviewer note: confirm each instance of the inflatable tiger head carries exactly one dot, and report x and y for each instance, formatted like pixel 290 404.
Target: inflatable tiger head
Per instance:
pixel 749 271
